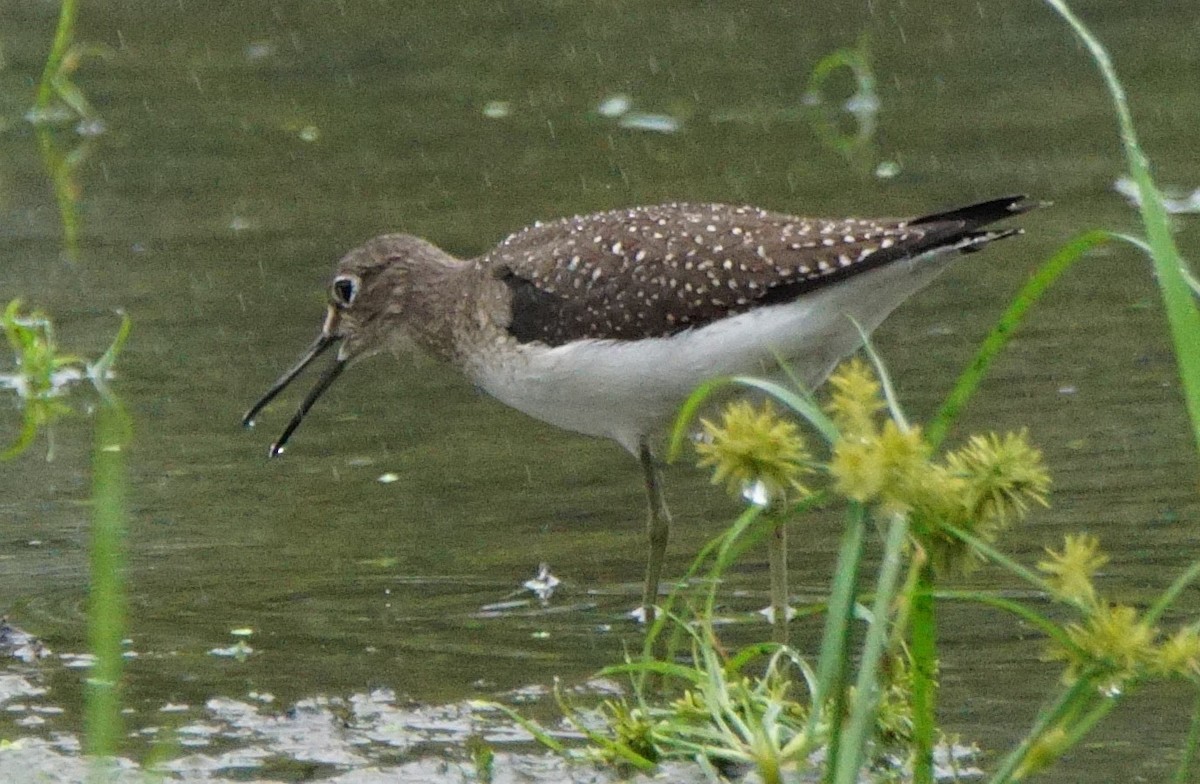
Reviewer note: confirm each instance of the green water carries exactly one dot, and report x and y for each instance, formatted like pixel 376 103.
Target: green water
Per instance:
pixel 246 146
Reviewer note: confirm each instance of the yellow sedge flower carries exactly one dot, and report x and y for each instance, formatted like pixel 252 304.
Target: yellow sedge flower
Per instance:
pixel 906 461
pixel 981 488
pixel 858 470
pixel 1071 571
pixel 1180 654
pixel 1004 476
pixel 856 399
pixel 751 446
pixel 937 499
pixel 884 467
pixel 1114 637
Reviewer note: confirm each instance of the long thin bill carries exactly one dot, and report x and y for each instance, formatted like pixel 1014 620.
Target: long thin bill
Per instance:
pixel 318 347
pixel 327 378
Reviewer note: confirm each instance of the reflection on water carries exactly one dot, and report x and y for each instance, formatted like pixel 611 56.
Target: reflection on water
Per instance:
pixel 247 147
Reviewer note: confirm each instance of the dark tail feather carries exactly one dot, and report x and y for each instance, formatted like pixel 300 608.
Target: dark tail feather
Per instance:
pixel 983 213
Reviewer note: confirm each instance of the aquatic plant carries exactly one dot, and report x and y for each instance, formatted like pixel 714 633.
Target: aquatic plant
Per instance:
pixel 42 374
pixel 941 516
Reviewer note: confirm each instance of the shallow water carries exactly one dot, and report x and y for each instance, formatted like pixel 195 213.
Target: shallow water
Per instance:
pixel 245 147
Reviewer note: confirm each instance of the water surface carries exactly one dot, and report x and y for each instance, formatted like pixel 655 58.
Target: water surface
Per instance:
pixel 247 146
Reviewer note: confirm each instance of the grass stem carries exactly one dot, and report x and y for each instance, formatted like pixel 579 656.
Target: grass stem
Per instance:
pixel 64 34
pixel 106 604
pixel 923 650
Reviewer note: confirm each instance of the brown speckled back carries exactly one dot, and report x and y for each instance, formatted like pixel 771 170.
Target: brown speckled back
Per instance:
pixel 654 271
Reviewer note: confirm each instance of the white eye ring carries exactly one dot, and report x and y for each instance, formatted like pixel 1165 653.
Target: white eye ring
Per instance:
pixel 344 290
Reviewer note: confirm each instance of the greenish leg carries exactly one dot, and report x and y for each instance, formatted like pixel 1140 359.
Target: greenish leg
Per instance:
pixel 658 527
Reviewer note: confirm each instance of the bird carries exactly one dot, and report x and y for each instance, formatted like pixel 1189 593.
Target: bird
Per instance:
pixel 603 324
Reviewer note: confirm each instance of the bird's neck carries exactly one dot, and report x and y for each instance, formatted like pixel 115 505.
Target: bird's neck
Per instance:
pixel 431 302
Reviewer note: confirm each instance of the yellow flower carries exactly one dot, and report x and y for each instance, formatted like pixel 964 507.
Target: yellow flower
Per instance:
pixel 870 463
pixel 857 469
pixel 855 400
pixel 1180 655
pixel 888 466
pixel 750 447
pixel 1071 571
pixel 980 488
pixel 906 462
pixel 942 505
pixel 1004 475
pixel 1113 637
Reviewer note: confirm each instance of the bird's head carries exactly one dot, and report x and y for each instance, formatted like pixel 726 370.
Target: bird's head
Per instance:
pixel 366 313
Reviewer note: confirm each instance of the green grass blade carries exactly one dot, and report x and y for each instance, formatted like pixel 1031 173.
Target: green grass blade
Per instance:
pixel 923 650
pixel 749 654
pixel 1000 559
pixel 968 381
pixel 540 735
pixel 1189 746
pixel 802 404
pixel 833 660
pixel 860 729
pixel 727 553
pixel 63 34
pixel 1183 316
pixel 1169 596
pixel 106 602
pixel 680 672
pixel 1069 701
pixel 25 438
pixel 885 378
pixel 722 550
pixel 99 370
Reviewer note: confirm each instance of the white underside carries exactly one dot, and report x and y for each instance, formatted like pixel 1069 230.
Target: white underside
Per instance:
pixel 628 390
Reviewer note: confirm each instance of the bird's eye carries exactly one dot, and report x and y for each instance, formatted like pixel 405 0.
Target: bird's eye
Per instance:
pixel 344 290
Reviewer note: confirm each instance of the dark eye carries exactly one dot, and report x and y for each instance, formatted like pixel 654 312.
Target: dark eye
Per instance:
pixel 344 291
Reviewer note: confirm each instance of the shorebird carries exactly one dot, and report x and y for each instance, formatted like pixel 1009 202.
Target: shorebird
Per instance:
pixel 603 324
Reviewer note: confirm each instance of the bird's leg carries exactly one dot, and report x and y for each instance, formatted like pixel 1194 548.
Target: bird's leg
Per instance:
pixel 777 559
pixel 658 527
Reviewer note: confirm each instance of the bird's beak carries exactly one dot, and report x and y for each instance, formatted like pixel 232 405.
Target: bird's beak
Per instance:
pixel 327 338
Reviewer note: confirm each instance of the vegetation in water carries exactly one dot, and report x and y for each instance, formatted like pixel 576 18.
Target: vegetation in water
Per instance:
pixel 58 100
pixel 57 84
pixel 42 374
pixel 766 707
pixel 41 378
pixel 940 517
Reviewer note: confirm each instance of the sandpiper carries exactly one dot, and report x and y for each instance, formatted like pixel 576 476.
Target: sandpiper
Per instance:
pixel 603 324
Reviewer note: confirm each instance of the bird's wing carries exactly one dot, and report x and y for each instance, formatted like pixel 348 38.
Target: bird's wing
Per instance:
pixel 654 271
